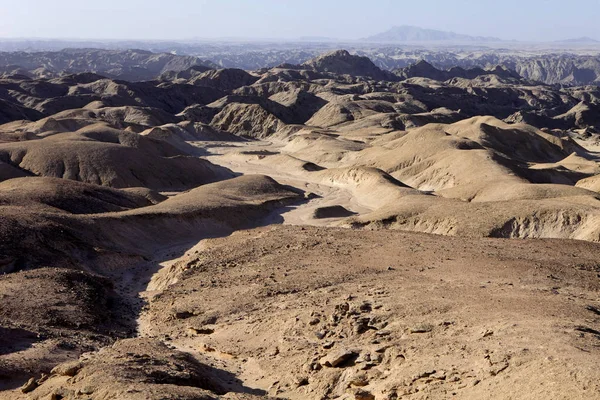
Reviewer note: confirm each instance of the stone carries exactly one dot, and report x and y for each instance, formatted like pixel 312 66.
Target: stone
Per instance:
pixel 487 333
pixel 320 335
pixel 67 369
pixel 274 352
pixel 183 315
pixel 422 328
pixel 497 368
pixel 440 375
pixel 361 325
pixel 359 380
pixel 201 331
pixel 87 390
pixel 364 357
pixel 300 381
pixel 425 374
pixel 29 386
pixel 338 358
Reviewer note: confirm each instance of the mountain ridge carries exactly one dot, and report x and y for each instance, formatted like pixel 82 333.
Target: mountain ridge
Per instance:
pixel 408 33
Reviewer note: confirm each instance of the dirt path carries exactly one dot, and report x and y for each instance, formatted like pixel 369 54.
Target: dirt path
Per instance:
pixel 148 281
pixel 301 214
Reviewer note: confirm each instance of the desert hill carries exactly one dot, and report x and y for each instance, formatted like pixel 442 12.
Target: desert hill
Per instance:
pixel 105 156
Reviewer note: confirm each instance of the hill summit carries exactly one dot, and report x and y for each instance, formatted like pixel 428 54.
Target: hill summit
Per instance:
pixel 342 62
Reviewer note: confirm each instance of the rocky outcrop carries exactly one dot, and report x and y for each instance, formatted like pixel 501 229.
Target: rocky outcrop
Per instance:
pixel 342 62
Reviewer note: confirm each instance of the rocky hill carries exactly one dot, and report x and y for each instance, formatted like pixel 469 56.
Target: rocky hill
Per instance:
pixel 341 62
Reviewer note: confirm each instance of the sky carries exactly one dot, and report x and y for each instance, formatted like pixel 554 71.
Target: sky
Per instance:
pixel 526 20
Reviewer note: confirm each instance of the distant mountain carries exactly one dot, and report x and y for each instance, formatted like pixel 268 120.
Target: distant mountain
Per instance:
pixel 582 40
pixel 407 33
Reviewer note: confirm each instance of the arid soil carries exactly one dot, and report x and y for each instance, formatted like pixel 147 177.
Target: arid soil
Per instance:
pixel 302 312
pixel 318 231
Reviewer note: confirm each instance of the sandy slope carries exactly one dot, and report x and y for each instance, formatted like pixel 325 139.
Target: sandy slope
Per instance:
pixel 420 316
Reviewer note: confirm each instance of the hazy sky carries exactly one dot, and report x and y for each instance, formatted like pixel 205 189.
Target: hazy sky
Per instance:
pixel 537 20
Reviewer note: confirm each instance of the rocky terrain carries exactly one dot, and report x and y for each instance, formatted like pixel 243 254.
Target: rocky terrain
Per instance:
pixel 324 229
pixel 568 63
pixel 136 65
